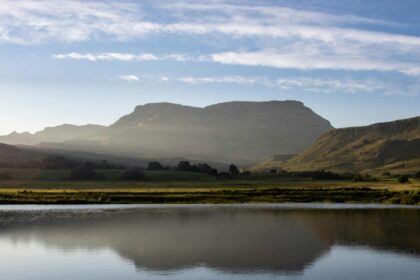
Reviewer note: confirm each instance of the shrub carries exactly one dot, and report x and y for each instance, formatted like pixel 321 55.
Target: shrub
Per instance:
pixel 364 178
pixel 85 172
pixel 155 165
pixel 224 175
pixel 404 178
pixel 358 178
pixel 133 174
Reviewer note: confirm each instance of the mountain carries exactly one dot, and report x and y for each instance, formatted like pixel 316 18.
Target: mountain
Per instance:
pixel 234 131
pixel 240 132
pixel 33 157
pixel 383 147
pixel 11 156
pixel 60 133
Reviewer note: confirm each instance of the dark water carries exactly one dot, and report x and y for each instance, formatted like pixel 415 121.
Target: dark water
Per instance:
pixel 210 242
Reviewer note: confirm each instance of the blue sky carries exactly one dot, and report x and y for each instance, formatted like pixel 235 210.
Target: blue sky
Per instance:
pixel 353 62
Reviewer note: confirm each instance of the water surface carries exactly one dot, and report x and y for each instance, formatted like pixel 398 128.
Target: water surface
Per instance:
pixel 284 241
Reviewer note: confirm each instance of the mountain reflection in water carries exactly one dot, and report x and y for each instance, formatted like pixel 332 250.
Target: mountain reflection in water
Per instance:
pixel 227 239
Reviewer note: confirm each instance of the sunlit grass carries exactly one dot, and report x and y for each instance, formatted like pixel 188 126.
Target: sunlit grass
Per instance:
pixel 51 186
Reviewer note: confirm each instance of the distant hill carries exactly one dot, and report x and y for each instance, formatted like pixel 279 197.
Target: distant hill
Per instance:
pixel 11 156
pixel 60 133
pixel 33 157
pixel 240 132
pixel 391 146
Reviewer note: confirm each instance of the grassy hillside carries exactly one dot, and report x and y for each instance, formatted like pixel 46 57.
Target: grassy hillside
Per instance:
pixel 384 147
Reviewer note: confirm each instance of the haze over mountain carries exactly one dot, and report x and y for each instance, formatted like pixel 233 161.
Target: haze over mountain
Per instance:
pixel 60 133
pixel 11 156
pixel 383 147
pixel 241 132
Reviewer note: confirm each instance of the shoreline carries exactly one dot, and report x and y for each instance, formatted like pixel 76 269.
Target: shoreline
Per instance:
pixel 211 195
pixel 148 206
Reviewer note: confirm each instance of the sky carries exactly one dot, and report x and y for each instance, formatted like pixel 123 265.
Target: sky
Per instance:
pixel 354 62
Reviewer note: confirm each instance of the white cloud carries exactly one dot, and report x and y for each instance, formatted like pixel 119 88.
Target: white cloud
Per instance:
pixel 127 57
pixel 238 80
pixel 130 78
pixel 331 85
pixel 107 56
pixel 286 37
pixel 294 84
pixel 295 55
pixel 304 84
pixel 179 57
pixel 271 13
pixel 318 59
pixel 28 21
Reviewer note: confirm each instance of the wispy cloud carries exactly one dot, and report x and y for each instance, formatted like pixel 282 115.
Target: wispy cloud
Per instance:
pixel 293 56
pixel 130 78
pixel 110 56
pixel 233 79
pixel 28 21
pixel 127 57
pixel 290 84
pixel 317 59
pixel 283 37
pixel 297 83
pixel 271 13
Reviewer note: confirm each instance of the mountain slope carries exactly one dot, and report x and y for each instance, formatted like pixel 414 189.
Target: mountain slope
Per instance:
pixel 391 146
pixel 241 132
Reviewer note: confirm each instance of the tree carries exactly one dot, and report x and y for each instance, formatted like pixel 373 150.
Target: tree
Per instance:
pixel 404 179
pixel 233 170
pixel 155 165
pixel 184 165
pixel 213 172
pixel 133 174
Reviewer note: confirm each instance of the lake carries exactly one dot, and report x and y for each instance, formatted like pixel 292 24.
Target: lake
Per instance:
pixel 277 241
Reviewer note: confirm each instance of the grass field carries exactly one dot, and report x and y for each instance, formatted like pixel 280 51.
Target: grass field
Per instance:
pixel 48 186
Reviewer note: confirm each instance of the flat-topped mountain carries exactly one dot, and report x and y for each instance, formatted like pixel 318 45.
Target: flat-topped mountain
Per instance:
pixel 242 132
pixel 391 146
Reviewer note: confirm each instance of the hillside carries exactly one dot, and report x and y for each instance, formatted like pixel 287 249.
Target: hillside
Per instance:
pixel 240 132
pixel 391 146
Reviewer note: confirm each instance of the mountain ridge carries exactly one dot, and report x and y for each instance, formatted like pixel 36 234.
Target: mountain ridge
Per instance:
pixel 238 131
pixel 382 147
